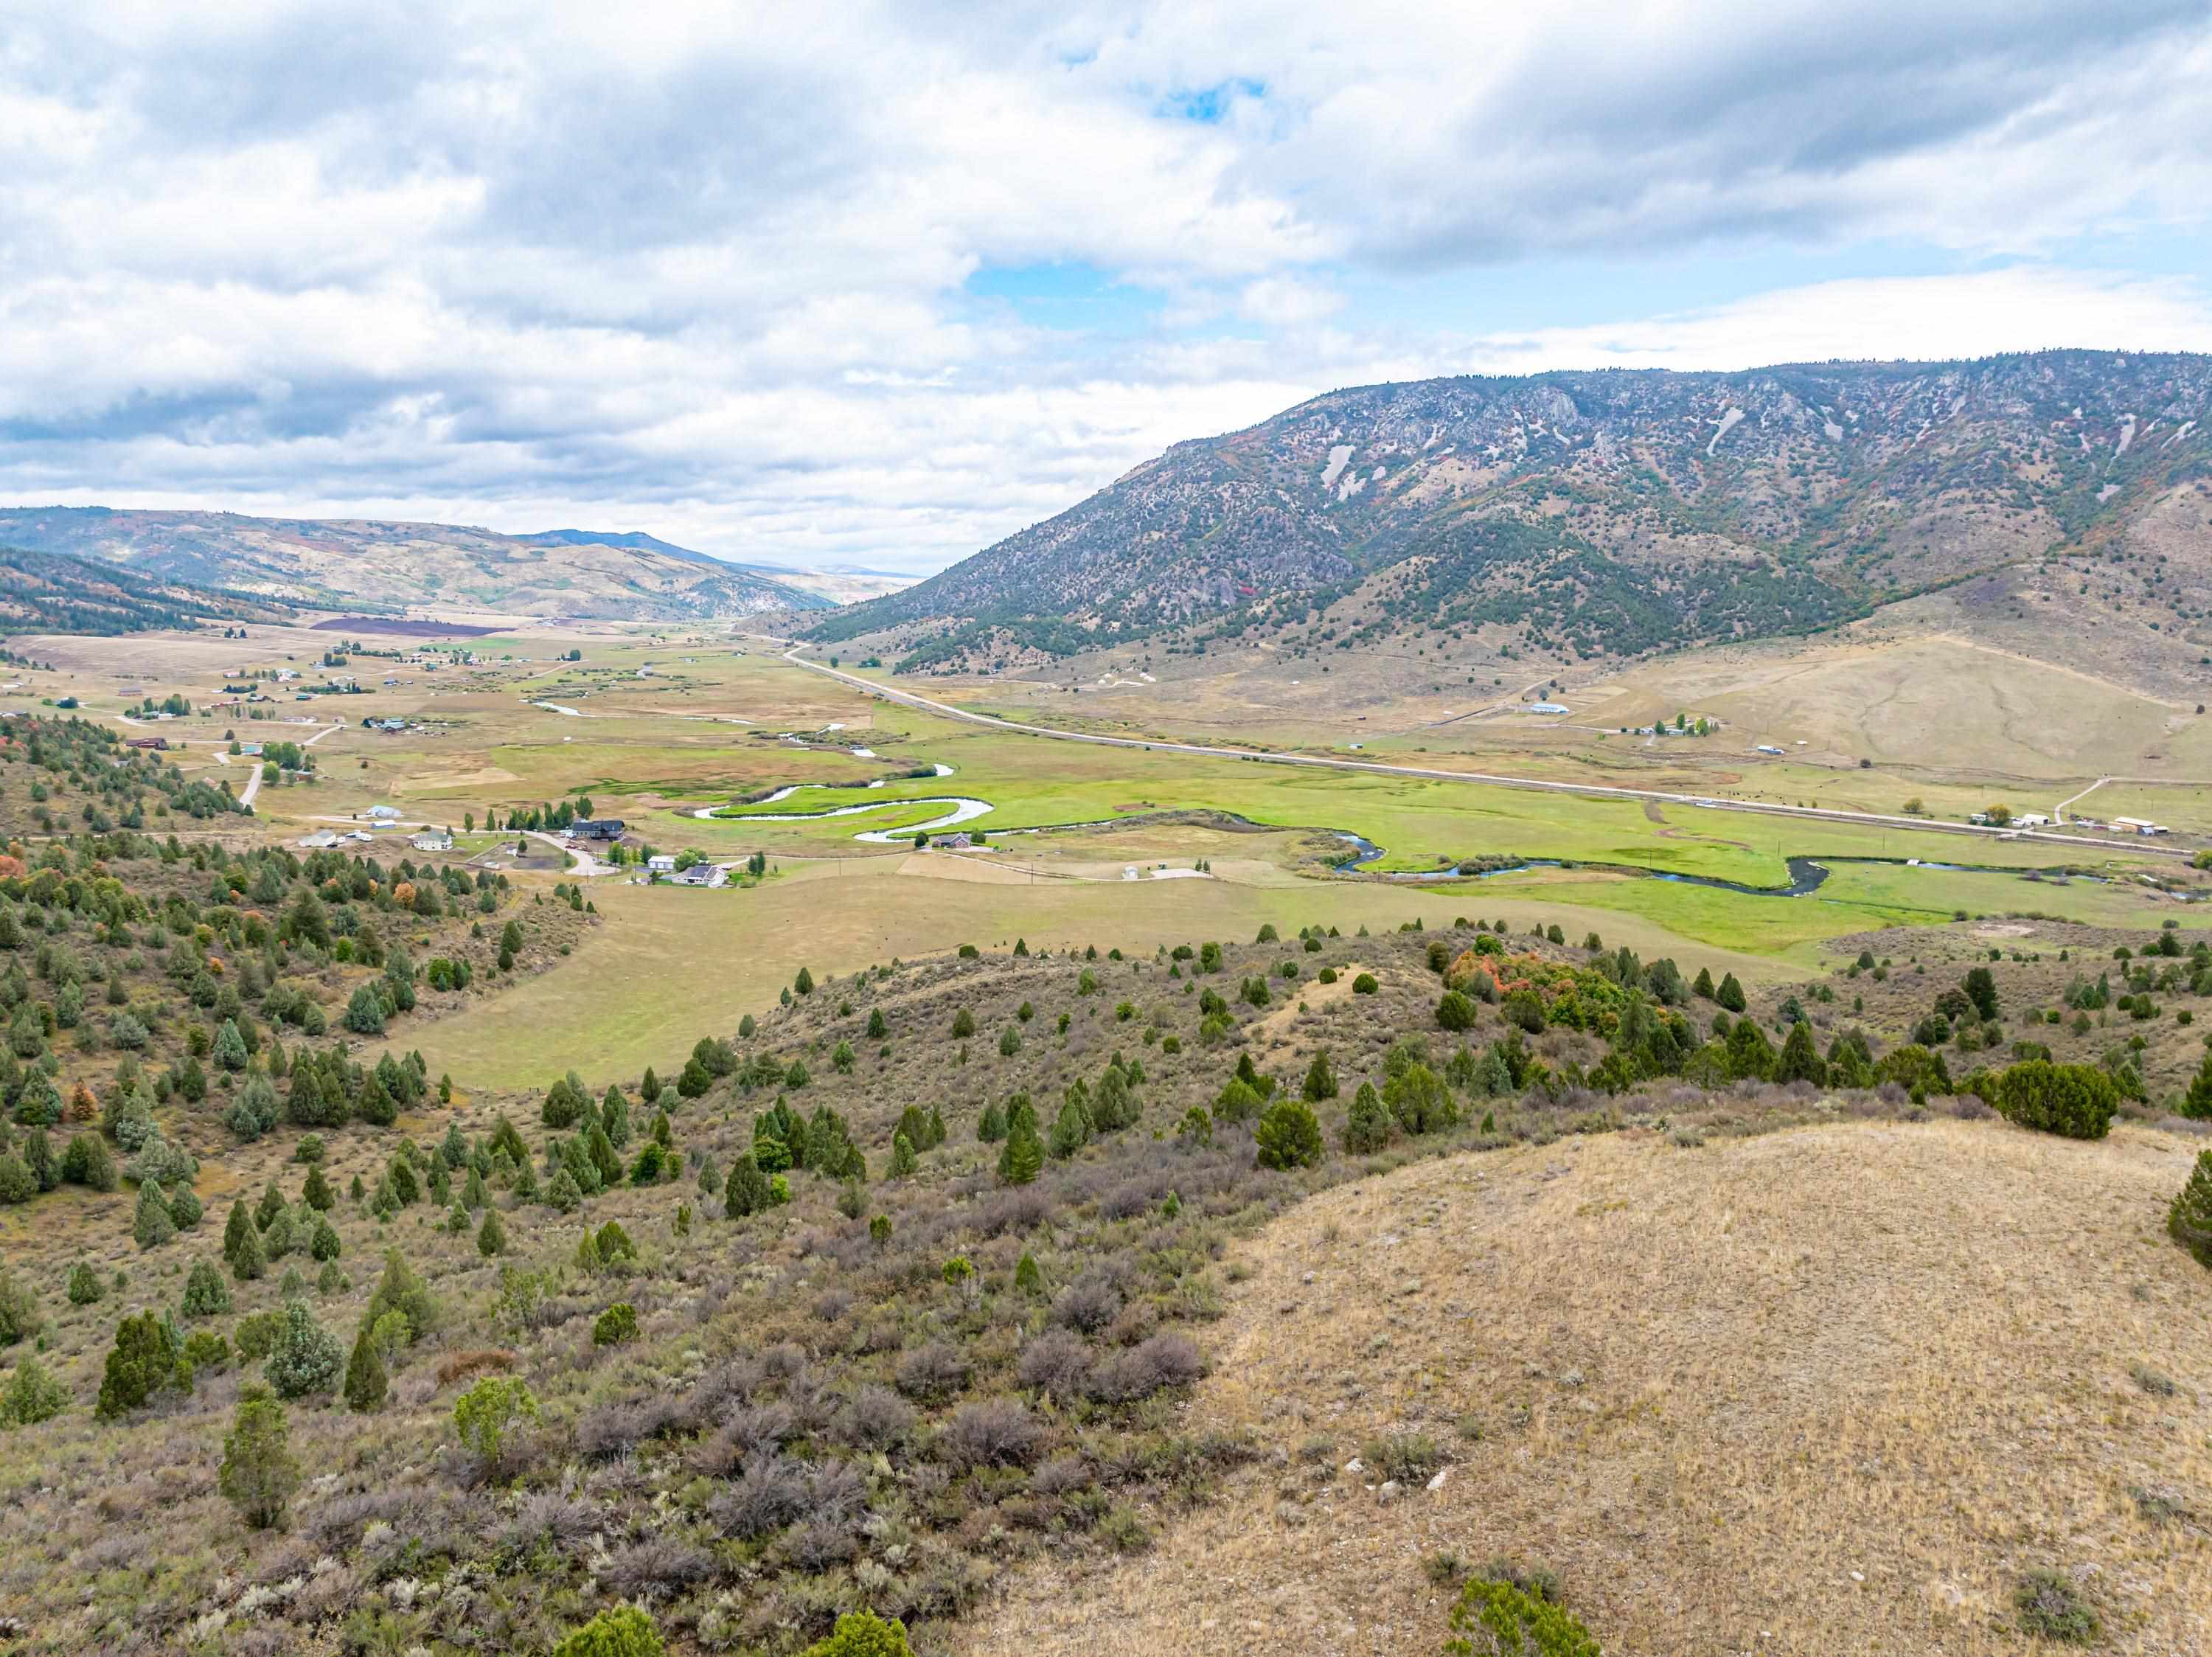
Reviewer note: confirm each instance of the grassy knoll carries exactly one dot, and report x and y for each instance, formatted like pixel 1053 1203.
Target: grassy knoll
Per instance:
pixel 1775 1374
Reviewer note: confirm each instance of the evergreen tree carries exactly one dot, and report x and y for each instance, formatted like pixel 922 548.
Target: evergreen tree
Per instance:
pixel 1320 1081
pixel 991 1127
pixel 152 1224
pixel 491 1236
pixel 747 1193
pixel 242 1245
pixel 31 1395
pixel 316 1192
pixel 903 1161
pixel 376 1106
pixel 2196 1103
pixel 206 1294
pixel 1288 1135
pixel 230 1047
pixel 1072 1129
pixel 306 1358
pixel 142 1362
pixel 1749 1054
pixel 271 1204
pixel 1729 995
pixel 1029 1277
pixel 1020 1157
pixel 1367 1125
pixel 2188 1221
pixel 1982 991
pixel 366 1383
pixel 1800 1060
pixel 259 1474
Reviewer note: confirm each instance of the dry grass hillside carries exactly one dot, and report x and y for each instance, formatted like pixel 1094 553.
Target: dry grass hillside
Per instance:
pixel 1829 1390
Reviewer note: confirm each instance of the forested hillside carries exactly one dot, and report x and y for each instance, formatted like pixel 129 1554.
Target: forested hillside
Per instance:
pixel 45 593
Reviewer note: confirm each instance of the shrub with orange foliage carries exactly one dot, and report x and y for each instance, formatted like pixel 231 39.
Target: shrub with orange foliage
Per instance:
pixel 83 1105
pixel 11 868
pixel 404 894
pixel 479 1361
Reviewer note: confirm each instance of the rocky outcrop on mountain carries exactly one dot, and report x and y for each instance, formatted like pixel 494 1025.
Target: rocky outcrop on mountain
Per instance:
pixel 1587 514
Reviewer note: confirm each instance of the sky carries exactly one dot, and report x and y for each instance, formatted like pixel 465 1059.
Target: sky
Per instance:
pixel 879 285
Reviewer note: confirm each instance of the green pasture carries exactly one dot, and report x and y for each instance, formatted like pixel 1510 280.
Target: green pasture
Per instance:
pixel 1033 782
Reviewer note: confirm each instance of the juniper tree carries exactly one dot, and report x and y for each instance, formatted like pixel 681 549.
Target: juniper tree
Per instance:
pixel 1021 1157
pixel 2188 1221
pixel 1367 1125
pixel 367 1385
pixel 1287 1135
pixel 151 1223
pixel 306 1358
pixel 747 1191
pixel 903 1161
pixel 259 1474
pixel 206 1294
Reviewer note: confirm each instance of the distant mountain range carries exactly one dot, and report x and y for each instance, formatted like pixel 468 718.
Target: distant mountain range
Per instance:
pixel 372 565
pixel 1575 515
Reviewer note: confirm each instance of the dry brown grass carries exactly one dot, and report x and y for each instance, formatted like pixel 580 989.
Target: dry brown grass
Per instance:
pixel 1830 1390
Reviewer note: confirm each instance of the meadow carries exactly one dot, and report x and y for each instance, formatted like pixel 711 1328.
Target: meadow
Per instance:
pixel 672 962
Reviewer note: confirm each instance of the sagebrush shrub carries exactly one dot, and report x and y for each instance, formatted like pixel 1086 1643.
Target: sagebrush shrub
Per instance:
pixel 991 1433
pixel 2050 1606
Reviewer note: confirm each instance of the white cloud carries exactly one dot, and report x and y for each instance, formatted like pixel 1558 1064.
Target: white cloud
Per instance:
pixel 700 270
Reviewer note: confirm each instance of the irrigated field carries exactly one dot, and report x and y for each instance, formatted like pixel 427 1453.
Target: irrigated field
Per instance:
pixel 672 965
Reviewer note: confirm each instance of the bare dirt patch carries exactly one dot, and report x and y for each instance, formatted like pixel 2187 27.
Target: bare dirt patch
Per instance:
pixel 1310 997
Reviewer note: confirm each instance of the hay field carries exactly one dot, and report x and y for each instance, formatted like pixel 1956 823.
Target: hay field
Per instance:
pixel 674 964
pixel 1831 1390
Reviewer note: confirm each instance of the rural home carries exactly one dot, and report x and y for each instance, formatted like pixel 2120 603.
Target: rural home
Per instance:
pixel 706 874
pixel 432 840
pixel 598 828
pixel 662 863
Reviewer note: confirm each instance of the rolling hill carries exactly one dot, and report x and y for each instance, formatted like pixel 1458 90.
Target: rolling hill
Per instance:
pixel 1585 515
pixel 46 592
pixel 370 564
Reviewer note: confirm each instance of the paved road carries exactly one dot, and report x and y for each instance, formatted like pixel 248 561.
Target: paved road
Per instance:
pixel 1587 790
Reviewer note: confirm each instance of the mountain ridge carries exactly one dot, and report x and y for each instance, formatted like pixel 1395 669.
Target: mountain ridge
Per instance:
pixel 371 564
pixel 1582 513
